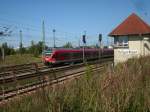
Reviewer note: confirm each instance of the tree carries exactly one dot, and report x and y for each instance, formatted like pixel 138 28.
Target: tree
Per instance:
pixel 31 48
pixel 68 45
pixel 36 49
pixel 8 50
pixel 22 50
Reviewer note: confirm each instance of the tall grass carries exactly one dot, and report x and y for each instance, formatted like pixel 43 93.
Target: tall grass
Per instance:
pixel 19 59
pixel 126 88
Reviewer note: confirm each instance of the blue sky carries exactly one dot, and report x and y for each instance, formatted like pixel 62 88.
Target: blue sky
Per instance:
pixel 70 18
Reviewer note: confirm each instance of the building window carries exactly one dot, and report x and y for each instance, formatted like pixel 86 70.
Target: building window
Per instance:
pixel 121 41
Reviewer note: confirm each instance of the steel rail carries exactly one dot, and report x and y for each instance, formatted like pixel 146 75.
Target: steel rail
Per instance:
pixel 37 72
pixel 40 84
pixel 40 73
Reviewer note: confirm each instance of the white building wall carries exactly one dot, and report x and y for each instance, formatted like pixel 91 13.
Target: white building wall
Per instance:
pixel 135 43
pixel 137 46
pixel 120 55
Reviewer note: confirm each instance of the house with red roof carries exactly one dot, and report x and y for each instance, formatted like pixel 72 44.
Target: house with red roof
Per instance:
pixel 131 39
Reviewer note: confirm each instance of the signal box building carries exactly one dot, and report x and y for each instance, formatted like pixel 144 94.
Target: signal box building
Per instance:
pixel 131 39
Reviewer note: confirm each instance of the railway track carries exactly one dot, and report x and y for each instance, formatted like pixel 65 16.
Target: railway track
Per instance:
pixel 41 77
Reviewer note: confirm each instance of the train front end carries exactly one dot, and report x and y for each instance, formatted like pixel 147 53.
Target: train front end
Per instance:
pixel 48 58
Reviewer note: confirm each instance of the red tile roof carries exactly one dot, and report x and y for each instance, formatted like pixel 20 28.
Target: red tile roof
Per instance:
pixel 133 25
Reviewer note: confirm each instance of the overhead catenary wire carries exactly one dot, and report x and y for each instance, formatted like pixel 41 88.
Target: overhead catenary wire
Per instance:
pixel 32 32
pixel 31 27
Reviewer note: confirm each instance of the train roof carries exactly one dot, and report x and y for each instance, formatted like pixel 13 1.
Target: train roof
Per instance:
pixel 77 50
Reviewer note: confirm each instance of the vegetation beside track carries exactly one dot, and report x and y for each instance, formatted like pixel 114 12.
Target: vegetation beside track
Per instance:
pixel 126 88
pixel 19 59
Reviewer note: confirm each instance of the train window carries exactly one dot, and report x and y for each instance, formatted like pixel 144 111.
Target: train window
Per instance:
pixel 76 55
pixel 48 53
pixel 55 55
pixel 79 55
pixel 64 55
pixel 87 54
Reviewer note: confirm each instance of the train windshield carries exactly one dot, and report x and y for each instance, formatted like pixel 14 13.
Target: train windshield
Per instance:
pixel 48 53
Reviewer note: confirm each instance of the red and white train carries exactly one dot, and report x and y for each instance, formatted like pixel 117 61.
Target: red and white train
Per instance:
pixel 61 56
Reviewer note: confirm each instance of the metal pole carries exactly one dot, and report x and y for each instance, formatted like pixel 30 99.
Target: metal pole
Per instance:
pixel 83 53
pixel 84 42
pixel 100 39
pixel 20 42
pixel 0 49
pixel 20 37
pixel 43 31
pixel 99 50
pixel 3 53
pixel 54 37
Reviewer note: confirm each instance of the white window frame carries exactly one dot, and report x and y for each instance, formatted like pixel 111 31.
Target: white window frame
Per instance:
pixel 122 41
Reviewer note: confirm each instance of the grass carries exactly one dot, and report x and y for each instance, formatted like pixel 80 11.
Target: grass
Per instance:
pixel 126 88
pixel 19 59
